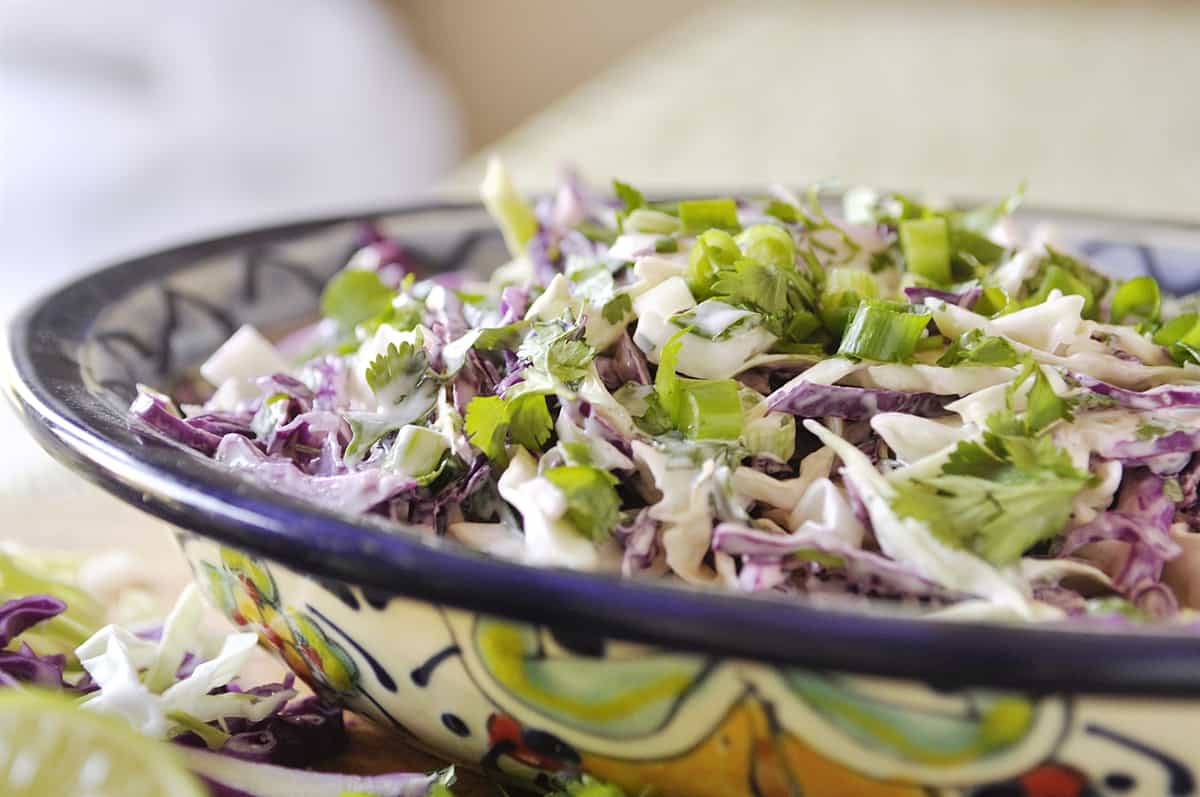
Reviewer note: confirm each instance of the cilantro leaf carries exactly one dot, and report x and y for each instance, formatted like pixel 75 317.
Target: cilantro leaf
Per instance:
pixel 593 506
pixel 643 403
pixel 397 370
pixel 755 283
pixel 783 211
pixel 617 308
pixel 505 337
pixel 354 296
pixel 996 497
pixel 529 420
pixel 1043 405
pixel 631 198
pixel 568 360
pixel 553 351
pixel 1069 275
pixel 492 421
pixel 975 348
pixel 487 427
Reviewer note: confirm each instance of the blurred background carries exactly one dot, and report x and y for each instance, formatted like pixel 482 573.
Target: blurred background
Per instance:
pixel 132 124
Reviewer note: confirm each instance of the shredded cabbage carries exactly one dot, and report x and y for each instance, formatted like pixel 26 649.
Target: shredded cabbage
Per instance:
pixel 988 398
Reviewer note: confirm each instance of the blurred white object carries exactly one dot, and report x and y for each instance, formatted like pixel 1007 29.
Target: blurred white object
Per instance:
pixel 130 124
pixel 127 125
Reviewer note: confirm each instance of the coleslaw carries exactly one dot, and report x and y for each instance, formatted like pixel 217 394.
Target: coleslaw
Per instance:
pixel 898 403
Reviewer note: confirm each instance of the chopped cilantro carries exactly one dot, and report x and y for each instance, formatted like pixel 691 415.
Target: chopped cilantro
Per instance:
pixel 1043 405
pixel 1148 431
pixel 529 421
pixel 553 351
pixel 354 296
pixel 576 453
pixel 783 211
pixel 400 366
pixel 1069 275
pixel 755 283
pixel 593 506
pixel 487 427
pixel 492 421
pixel 505 337
pixel 631 198
pixel 996 498
pixel 617 308
pixel 975 348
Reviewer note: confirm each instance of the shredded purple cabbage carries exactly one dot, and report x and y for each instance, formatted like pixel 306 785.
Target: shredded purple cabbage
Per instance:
pixel 811 400
pixel 24 666
pixel 155 412
pixel 355 492
pixel 1141 452
pixel 1159 398
pixel 1142 522
pixel 965 298
pixel 776 556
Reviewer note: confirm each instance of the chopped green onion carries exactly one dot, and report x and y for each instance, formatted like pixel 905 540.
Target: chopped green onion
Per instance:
pixel 666 382
pixel 926 247
pixel 651 221
pixel 416 453
pixel 841 280
pixel 774 435
pixel 713 251
pixel 666 245
pixel 1139 298
pixel 770 244
pixel 799 327
pixel 699 215
pixel 884 331
pixel 1058 277
pixel 593 506
pixel 508 208
pixel 993 301
pixel 711 409
pixel 836 309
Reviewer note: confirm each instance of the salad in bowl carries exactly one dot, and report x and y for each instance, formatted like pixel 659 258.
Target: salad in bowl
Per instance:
pixel 899 403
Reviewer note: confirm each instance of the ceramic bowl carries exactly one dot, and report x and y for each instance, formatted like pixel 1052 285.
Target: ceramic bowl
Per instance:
pixel 527 673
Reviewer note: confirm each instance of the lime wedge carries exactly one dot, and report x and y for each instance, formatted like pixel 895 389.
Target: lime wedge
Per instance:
pixel 50 747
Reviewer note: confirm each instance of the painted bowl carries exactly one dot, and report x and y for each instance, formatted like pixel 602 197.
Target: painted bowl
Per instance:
pixel 528 673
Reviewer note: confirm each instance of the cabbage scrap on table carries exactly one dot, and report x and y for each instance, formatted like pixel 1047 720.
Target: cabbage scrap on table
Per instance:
pixel 899 403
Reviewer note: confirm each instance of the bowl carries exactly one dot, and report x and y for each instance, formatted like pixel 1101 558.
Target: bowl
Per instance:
pixel 530 673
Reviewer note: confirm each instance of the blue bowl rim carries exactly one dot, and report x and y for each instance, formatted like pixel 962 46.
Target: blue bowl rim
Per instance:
pixel 46 387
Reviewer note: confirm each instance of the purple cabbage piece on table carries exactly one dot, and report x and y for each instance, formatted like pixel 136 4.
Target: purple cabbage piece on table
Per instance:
pixel 811 400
